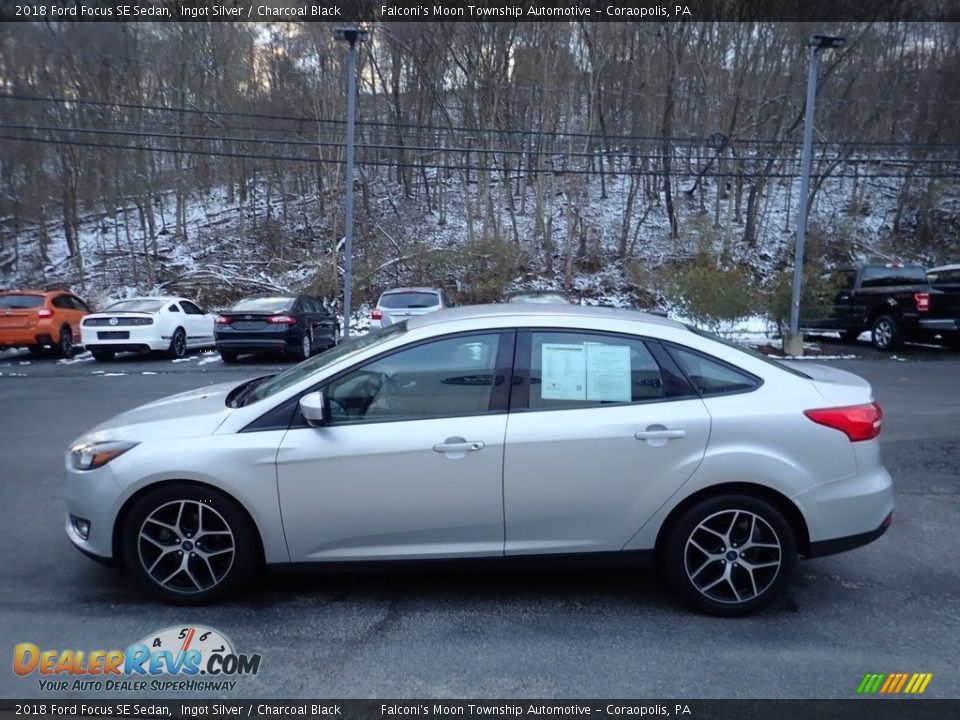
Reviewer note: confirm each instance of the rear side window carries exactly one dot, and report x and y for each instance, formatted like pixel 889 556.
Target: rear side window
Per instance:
pixel 15 302
pixel 710 376
pixel 395 301
pixel 582 370
pixel 62 302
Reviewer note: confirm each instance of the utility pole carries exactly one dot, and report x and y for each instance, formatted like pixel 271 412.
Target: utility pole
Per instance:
pixel 351 36
pixel 793 343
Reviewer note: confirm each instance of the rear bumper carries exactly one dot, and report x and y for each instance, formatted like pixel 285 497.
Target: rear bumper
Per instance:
pixel 259 345
pixel 137 339
pixel 26 337
pixel 943 325
pixel 842 544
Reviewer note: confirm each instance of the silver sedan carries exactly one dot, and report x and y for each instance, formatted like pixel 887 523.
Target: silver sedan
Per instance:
pixel 498 432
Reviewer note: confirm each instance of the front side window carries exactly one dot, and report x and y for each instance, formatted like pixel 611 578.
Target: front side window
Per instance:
pixel 579 370
pixel 449 377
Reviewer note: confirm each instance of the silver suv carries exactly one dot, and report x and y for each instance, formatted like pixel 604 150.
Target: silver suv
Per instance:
pixel 401 303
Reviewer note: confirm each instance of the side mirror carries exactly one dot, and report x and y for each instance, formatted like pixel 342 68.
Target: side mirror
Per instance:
pixel 312 408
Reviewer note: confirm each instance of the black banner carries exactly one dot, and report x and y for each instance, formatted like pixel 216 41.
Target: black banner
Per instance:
pixel 370 11
pixel 874 708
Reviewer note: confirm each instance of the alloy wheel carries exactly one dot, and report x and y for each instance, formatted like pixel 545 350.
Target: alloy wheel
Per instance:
pixel 732 556
pixel 186 546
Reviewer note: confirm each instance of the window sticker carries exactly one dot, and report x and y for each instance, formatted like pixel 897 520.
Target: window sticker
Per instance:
pixel 564 372
pixel 608 373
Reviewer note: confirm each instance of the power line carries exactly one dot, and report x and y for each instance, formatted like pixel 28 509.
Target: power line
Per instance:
pixel 469 168
pixel 607 139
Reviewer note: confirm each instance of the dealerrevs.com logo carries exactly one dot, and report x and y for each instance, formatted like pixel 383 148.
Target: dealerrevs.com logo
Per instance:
pixel 177 659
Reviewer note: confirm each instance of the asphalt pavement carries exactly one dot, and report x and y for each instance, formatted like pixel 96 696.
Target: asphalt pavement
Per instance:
pixel 893 606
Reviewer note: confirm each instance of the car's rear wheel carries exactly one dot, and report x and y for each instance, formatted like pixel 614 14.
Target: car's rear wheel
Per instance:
pixel 306 347
pixel 227 356
pixel 186 544
pixel 65 347
pixel 730 555
pixel 102 355
pixel 178 344
pixel 885 333
pixel 37 350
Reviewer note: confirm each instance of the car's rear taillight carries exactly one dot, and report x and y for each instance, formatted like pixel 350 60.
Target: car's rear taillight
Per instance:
pixel 44 313
pixel 223 320
pixel 282 320
pixel 922 301
pixel 376 314
pixel 858 422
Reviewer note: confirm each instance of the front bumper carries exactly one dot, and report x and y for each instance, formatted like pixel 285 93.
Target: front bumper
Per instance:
pixel 93 495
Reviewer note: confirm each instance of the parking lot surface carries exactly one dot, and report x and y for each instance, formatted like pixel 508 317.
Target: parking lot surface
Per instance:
pixel 893 606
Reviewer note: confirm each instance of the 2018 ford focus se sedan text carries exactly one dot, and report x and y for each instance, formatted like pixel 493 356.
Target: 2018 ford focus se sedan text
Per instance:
pixel 496 431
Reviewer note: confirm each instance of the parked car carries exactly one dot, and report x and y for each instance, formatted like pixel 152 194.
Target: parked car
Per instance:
pixel 298 325
pixel 894 302
pixel 629 436
pixel 40 320
pixel 945 277
pixel 172 325
pixel 401 303
pixel 539 297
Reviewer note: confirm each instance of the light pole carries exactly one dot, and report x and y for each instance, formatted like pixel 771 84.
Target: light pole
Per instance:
pixel 793 343
pixel 352 36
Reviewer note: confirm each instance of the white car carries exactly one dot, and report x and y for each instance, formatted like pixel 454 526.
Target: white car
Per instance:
pixel 169 324
pixel 494 431
pixel 402 303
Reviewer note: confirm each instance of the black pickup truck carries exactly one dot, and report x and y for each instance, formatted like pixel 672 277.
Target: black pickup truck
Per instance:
pixel 895 303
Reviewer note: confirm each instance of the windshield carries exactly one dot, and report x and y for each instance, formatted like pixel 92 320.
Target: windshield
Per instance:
pixel 147 306
pixel 291 377
pixel 393 301
pixel 539 298
pixel 744 349
pixel 262 304
pixel 20 301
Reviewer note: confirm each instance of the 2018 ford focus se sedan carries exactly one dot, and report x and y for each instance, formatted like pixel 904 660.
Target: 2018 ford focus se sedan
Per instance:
pixel 495 431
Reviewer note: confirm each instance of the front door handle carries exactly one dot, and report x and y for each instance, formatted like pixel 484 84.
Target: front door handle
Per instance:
pixel 458 447
pixel 658 435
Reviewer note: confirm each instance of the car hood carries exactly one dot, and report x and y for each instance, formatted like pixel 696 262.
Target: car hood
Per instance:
pixel 188 414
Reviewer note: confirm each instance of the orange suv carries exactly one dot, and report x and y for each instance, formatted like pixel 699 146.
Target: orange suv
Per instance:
pixel 38 319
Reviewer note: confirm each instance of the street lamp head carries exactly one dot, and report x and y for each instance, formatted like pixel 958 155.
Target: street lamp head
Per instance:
pixel 826 42
pixel 351 35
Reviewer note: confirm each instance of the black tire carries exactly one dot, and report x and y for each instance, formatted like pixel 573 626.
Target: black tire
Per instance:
pixel 178 344
pixel 885 333
pixel 228 356
pixel 65 346
pixel 691 571
pixel 102 355
pixel 37 350
pixel 954 343
pixel 306 347
pixel 850 335
pixel 194 581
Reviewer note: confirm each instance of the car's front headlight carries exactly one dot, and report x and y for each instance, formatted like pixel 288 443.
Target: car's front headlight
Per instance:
pixel 89 456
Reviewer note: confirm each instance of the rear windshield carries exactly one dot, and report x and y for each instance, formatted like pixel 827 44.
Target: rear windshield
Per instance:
pixel 747 351
pixel 262 304
pixel 393 301
pixel 539 298
pixel 147 306
pixel 887 277
pixel 20 301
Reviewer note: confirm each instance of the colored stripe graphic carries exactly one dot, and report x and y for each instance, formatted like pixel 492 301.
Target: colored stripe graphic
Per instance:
pixel 894 683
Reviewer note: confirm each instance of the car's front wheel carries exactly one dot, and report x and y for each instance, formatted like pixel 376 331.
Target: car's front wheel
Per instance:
pixel 188 544
pixel 730 555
